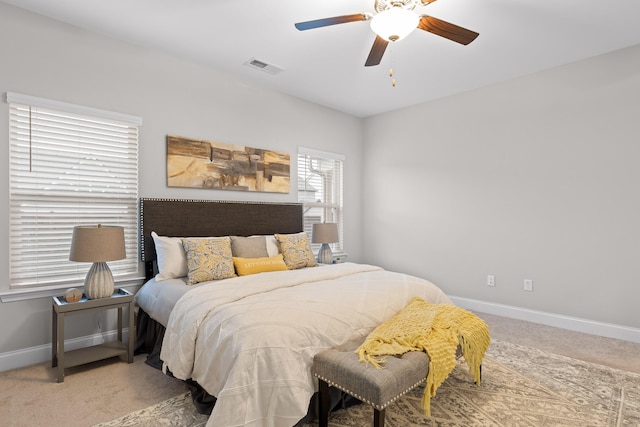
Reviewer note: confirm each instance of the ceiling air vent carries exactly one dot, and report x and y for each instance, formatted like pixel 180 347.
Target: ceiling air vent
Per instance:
pixel 263 66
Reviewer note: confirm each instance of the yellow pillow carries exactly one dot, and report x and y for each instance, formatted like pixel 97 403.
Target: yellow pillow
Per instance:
pixel 296 250
pixel 246 266
pixel 208 259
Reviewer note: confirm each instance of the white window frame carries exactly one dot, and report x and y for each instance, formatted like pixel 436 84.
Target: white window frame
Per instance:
pixel 49 195
pixel 330 206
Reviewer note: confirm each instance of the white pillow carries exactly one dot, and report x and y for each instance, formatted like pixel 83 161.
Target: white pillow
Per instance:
pixel 273 248
pixel 172 259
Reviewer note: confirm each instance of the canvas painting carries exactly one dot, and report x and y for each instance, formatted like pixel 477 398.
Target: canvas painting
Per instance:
pixel 196 163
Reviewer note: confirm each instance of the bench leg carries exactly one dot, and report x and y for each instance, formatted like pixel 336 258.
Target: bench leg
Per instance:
pixel 378 417
pixel 480 374
pixel 323 416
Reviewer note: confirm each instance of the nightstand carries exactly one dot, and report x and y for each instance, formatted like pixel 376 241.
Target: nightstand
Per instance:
pixel 120 299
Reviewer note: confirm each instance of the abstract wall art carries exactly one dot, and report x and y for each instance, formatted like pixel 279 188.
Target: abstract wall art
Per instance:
pixel 196 163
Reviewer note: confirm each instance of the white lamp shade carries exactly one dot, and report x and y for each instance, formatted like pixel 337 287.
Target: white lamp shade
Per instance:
pixel 326 232
pixel 394 24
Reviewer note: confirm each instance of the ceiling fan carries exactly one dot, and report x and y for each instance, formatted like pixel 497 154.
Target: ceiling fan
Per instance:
pixel 392 21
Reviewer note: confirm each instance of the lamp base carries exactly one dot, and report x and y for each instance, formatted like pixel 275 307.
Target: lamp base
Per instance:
pixel 324 254
pixel 99 281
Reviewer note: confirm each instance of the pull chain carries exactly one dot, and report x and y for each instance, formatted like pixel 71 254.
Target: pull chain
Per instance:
pixel 393 80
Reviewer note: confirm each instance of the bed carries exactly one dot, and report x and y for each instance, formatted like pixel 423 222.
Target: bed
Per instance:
pixel 246 343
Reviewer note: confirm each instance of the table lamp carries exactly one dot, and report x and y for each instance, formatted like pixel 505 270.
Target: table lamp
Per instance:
pixel 325 233
pixel 97 244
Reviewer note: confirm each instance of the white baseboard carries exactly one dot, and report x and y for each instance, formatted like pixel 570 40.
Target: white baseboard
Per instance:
pixel 42 353
pixel 592 327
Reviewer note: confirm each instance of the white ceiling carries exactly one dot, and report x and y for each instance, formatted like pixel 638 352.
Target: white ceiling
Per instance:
pixel 326 65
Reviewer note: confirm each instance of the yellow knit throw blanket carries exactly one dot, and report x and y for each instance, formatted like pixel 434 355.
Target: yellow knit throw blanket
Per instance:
pixel 437 329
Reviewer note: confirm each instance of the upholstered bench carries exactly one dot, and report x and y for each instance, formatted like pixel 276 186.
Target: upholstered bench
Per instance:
pixel 341 368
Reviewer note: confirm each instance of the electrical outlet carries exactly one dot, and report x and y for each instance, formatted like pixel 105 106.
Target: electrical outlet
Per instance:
pixel 528 285
pixel 491 280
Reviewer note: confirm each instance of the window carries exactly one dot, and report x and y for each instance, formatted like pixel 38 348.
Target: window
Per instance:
pixel 69 165
pixel 320 190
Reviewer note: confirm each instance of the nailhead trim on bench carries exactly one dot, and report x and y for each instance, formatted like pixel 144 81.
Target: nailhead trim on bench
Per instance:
pixel 375 405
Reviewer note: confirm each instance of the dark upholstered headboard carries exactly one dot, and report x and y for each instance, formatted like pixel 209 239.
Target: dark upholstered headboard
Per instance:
pixel 206 218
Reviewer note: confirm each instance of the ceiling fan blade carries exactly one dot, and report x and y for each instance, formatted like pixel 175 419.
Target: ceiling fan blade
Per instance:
pixel 447 30
pixel 308 25
pixel 426 2
pixel 377 50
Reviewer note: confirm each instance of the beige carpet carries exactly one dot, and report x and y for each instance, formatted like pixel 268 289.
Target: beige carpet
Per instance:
pixel 109 389
pixel 521 386
pixel 90 393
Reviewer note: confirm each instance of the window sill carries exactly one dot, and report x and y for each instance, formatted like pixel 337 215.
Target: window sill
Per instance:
pixel 50 291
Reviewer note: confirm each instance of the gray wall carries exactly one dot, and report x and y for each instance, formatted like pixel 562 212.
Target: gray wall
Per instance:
pixel 535 178
pixel 44 58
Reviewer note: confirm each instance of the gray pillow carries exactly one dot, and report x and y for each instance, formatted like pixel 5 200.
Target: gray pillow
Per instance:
pixel 249 247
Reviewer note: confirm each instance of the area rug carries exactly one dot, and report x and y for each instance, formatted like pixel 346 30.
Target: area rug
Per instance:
pixel 521 386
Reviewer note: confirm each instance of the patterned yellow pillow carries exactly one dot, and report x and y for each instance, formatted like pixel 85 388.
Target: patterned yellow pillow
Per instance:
pixel 208 259
pixel 245 266
pixel 296 250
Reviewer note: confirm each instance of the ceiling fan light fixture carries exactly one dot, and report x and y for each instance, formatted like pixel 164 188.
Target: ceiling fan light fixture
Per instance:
pixel 395 23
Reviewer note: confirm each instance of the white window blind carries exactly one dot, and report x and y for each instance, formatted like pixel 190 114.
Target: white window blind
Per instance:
pixel 69 165
pixel 320 190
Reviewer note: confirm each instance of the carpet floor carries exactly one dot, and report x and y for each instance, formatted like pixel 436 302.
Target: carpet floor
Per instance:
pixel 521 386
pixel 109 390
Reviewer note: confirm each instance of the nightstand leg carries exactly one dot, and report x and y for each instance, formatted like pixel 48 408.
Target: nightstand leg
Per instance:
pixel 54 339
pixel 132 332
pixel 60 340
pixel 120 324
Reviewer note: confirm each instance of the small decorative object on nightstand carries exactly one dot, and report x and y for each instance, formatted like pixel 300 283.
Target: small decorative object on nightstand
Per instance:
pixel 325 233
pixel 73 295
pixel 97 245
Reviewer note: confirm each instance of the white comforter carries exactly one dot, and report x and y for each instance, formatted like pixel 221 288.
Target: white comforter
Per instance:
pixel 250 340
